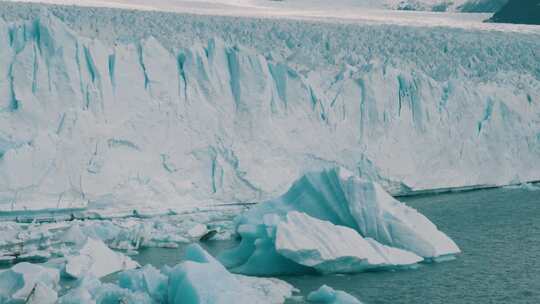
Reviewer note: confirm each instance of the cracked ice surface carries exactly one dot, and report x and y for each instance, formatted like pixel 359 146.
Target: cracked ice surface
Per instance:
pixel 101 112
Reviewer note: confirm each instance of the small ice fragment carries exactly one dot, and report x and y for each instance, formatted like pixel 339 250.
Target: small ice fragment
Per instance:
pixel 97 259
pixel 198 231
pixel 42 294
pixel 327 295
pixel 18 282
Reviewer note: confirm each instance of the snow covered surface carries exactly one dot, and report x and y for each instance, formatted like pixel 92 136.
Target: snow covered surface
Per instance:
pixel 333 221
pixel 287 7
pixel 112 109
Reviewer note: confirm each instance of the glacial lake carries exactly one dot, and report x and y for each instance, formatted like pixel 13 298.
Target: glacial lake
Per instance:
pixel 498 231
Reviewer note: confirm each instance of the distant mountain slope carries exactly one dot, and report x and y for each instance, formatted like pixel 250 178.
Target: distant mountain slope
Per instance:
pixel 481 6
pixel 519 11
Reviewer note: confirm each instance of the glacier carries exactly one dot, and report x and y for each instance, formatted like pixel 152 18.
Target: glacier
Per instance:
pixel 118 109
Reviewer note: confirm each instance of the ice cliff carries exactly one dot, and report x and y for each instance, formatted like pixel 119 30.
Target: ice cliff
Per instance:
pixel 124 109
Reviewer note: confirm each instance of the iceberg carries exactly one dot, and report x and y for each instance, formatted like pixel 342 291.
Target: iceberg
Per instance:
pixel 307 226
pixel 27 281
pixel 338 196
pixel 95 258
pixel 327 295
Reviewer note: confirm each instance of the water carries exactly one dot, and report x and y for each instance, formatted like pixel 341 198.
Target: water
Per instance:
pixel 498 231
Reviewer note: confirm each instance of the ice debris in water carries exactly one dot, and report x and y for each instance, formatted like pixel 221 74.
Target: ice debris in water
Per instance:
pixel 399 234
pixel 26 281
pixel 327 295
pixel 202 279
pixel 97 259
pixel 198 279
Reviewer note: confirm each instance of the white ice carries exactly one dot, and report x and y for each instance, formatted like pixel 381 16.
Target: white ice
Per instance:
pixel 95 258
pixel 28 281
pixel 334 249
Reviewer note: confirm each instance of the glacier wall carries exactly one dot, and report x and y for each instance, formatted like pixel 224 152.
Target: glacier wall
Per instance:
pixel 124 109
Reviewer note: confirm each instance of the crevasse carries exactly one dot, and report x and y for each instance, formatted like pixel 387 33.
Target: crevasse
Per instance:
pixel 129 123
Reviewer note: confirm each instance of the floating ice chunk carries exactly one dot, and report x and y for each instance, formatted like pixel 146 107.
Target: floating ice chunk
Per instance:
pixel 97 259
pixel 147 279
pixel 327 295
pixel 90 290
pixel 78 266
pixel 82 293
pixel 110 293
pixel 530 186
pixel 42 294
pixel 271 289
pixel 77 296
pixel 18 282
pixel 330 248
pixel 336 195
pixel 202 279
pixel 198 231
pixel 105 231
pixel 74 235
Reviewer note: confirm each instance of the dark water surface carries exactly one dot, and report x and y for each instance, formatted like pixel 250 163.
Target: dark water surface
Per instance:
pixel 498 231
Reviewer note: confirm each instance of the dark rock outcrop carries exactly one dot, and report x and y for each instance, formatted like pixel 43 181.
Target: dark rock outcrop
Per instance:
pixel 519 11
